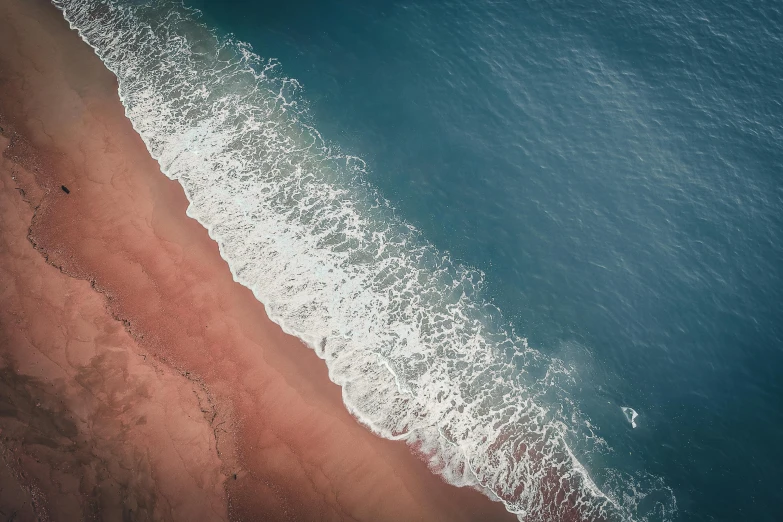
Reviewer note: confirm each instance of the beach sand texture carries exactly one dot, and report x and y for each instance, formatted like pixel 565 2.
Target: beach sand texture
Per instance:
pixel 139 381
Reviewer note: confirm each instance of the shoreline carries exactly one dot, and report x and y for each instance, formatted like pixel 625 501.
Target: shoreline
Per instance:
pixel 283 445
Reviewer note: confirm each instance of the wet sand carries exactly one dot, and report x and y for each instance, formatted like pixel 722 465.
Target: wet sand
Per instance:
pixel 139 381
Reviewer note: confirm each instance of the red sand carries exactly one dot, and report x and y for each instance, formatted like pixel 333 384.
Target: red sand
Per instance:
pixel 164 389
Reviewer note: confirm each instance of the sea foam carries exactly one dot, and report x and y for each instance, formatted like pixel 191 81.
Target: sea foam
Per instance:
pixel 419 353
pixel 630 415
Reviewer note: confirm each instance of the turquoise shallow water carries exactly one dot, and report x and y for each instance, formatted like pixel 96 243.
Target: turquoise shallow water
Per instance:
pixel 613 169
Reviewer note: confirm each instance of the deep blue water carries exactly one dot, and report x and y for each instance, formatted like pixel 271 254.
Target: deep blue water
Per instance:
pixel 615 170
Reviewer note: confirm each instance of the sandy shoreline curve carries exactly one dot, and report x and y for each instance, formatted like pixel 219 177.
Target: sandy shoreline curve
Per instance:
pixel 140 382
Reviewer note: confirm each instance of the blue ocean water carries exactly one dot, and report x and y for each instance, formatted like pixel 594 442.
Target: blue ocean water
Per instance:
pixel 613 169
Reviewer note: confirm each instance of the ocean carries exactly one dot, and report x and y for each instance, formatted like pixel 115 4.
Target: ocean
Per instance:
pixel 539 241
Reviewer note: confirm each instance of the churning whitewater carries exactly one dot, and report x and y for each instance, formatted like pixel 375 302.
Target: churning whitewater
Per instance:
pixel 419 353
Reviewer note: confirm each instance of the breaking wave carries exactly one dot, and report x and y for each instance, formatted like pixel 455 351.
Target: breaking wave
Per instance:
pixel 419 353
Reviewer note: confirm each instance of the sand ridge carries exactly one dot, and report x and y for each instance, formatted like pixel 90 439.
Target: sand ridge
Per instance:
pixel 172 376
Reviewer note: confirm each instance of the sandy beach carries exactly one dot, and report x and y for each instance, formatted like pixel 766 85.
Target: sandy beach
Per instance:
pixel 139 381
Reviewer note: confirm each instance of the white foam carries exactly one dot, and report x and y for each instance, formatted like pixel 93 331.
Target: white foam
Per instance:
pixel 630 415
pixel 403 330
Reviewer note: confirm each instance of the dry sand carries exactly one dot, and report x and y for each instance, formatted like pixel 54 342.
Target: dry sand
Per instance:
pixel 139 381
